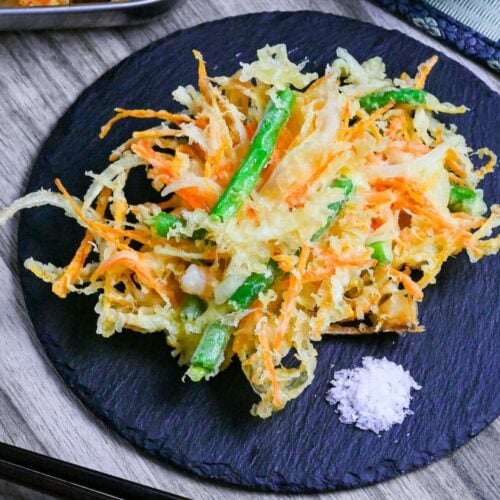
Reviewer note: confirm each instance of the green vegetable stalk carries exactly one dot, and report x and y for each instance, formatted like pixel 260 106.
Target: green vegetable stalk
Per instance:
pixel 210 350
pixel 464 199
pixel 348 187
pixel 248 292
pixel 376 100
pixel 192 308
pixel 163 222
pixel 209 353
pixel 382 251
pixel 246 177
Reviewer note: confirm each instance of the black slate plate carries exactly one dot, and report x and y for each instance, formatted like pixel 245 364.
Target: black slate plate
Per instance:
pixel 131 381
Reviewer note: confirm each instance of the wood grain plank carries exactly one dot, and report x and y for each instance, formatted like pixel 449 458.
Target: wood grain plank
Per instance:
pixel 40 75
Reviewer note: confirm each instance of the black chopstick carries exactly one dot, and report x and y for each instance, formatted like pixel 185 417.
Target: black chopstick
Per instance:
pixel 56 477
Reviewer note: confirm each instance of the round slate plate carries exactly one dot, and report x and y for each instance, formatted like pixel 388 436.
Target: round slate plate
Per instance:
pixel 132 382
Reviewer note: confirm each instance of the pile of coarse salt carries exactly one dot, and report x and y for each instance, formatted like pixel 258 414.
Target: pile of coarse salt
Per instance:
pixel 373 397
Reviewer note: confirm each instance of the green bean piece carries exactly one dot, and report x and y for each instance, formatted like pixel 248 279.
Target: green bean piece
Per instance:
pixel 163 222
pixel 263 143
pixel 213 341
pixel 196 373
pixel 376 100
pixel 192 308
pixel 249 291
pixel 209 353
pixel 460 198
pixel 348 188
pixel 382 251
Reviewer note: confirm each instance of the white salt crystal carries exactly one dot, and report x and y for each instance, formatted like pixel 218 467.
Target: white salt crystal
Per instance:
pixel 373 397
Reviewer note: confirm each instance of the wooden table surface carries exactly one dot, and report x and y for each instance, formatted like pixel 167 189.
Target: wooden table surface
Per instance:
pixel 40 75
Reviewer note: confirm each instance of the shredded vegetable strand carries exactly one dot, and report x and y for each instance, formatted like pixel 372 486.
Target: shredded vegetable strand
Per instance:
pixel 142 113
pixel 268 361
pixel 290 297
pixel 61 286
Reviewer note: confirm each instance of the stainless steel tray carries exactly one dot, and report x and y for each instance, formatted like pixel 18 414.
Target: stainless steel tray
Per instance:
pixel 82 15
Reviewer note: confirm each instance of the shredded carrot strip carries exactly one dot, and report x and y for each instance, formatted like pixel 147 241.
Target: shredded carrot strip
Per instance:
pixel 142 113
pixel 411 197
pixel 251 213
pixel 163 163
pixel 378 197
pixel 137 263
pixel 439 136
pixel 362 125
pixel 146 238
pixel 196 198
pixel 330 260
pixel 290 297
pixel 285 267
pixel 119 209
pixel 152 133
pixel 321 314
pixel 225 169
pixel 71 273
pixel 410 286
pixel 202 122
pixel 213 162
pixel 224 175
pixel 138 235
pixel 373 158
pixel 251 129
pixel 396 127
pixel 285 262
pixel 167 169
pixel 157 133
pixel 244 335
pixel 92 225
pixel 456 180
pixel 415 148
pixel 171 203
pixel 423 72
pixel 203 83
pixel 375 132
pixel 268 363
pixel 295 197
pixel 344 121
pixel 108 233
pixel 451 161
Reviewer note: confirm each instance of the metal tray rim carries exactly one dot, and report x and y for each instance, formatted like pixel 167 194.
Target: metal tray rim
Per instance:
pixel 77 8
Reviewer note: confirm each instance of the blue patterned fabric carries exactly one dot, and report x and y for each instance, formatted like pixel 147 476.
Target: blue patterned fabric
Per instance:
pixel 449 29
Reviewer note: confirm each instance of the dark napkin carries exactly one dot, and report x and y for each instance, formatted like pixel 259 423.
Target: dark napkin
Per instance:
pixel 472 27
